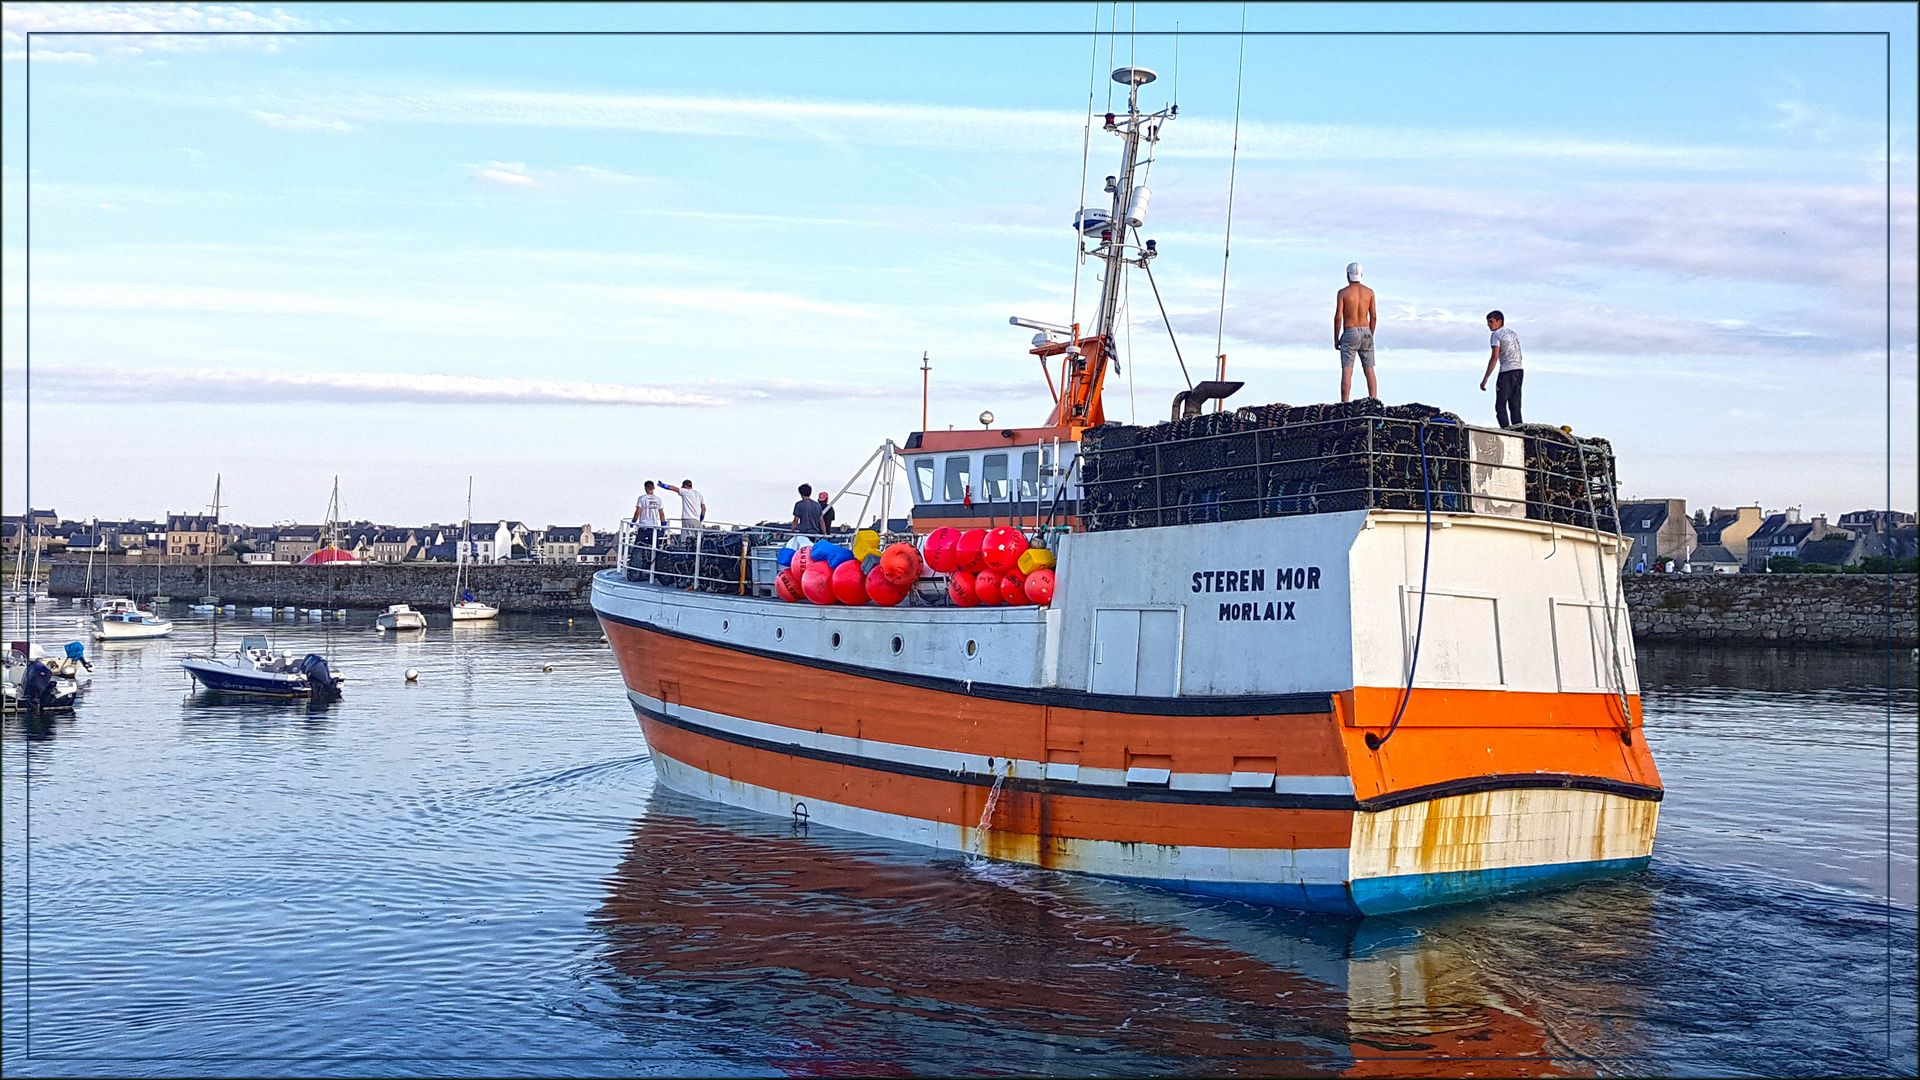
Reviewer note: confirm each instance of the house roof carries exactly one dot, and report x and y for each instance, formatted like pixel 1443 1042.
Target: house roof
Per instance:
pixel 1711 553
pixel 1643 516
pixel 1829 552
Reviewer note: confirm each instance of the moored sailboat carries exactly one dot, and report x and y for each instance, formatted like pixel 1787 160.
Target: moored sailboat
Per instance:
pixel 465 608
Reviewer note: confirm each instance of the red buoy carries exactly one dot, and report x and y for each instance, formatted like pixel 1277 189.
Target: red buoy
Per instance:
pixel 942 547
pixel 960 589
pixel 786 585
pixel 1040 586
pixel 986 586
pixel 901 565
pixel 801 558
pixel 1013 589
pixel 884 592
pixel 1004 547
pixel 971 558
pixel 849 584
pixel 817 583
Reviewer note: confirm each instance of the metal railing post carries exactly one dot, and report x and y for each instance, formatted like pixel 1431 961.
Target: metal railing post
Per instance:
pixel 699 535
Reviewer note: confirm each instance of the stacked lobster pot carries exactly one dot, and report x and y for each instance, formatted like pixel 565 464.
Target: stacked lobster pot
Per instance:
pixel 1279 460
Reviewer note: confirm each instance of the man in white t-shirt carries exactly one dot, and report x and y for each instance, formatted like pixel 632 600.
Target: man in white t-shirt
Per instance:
pixel 1506 356
pixel 693 505
pixel 648 511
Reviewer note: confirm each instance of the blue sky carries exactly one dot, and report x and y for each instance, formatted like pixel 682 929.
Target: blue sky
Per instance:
pixel 565 264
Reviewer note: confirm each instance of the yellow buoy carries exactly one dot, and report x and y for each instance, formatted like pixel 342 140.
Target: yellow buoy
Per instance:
pixel 1035 559
pixel 865 542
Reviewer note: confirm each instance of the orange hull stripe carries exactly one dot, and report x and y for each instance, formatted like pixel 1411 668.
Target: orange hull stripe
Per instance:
pixel 770 691
pixel 1029 813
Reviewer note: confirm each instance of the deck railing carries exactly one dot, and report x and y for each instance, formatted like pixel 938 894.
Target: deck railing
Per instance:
pixel 717 557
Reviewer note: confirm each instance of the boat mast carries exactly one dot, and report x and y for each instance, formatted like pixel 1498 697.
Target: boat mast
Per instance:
pixel 460 549
pixel 1087 356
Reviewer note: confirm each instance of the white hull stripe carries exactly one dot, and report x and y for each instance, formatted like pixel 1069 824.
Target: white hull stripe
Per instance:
pixel 1107 858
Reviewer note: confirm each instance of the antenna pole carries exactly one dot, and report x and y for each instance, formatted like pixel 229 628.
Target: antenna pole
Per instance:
pixel 925 385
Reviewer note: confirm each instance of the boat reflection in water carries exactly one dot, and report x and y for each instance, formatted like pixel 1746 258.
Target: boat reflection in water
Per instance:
pixel 815 951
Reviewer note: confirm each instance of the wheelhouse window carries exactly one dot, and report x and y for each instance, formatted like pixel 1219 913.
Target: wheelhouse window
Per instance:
pixel 923 478
pixel 1030 474
pixel 993 477
pixel 958 477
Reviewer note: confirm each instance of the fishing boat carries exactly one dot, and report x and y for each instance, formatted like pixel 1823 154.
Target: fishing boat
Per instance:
pixel 259 670
pixel 465 608
pixel 1353 658
pixel 119 619
pixel 400 617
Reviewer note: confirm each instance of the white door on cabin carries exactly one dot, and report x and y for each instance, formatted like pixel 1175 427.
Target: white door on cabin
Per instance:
pixel 1136 651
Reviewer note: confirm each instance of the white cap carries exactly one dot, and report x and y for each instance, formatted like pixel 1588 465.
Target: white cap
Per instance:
pixel 1353 271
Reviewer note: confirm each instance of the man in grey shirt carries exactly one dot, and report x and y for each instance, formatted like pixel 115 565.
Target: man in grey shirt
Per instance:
pixel 1506 356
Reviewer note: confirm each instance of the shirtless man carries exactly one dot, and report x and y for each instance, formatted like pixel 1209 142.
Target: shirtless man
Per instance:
pixel 1354 318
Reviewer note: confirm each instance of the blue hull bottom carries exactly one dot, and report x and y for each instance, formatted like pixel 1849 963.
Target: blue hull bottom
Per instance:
pixel 1407 892
pixel 228 684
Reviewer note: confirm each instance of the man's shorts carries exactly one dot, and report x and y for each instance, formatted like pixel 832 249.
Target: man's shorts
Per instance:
pixel 1356 341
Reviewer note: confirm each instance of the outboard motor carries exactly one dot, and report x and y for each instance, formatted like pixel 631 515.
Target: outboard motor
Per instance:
pixel 37 688
pixel 78 651
pixel 319 678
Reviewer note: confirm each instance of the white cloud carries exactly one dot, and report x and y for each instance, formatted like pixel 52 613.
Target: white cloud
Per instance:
pixel 1023 130
pixel 87 383
pixel 302 123
pixel 126 30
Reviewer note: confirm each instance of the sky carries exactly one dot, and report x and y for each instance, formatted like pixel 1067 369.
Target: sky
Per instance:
pixel 703 248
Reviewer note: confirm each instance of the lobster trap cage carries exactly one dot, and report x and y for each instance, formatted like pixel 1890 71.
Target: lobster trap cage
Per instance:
pixel 1280 460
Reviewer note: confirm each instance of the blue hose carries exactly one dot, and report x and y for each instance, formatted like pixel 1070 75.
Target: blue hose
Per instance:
pixel 1419 624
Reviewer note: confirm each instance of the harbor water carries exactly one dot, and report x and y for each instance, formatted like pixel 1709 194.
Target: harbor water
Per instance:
pixel 476 874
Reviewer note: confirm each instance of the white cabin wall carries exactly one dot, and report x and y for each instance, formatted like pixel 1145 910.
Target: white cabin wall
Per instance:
pixel 1514 605
pixel 1154 570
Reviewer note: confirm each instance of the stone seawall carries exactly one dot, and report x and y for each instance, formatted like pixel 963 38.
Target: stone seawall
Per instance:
pixel 510 586
pixel 1846 610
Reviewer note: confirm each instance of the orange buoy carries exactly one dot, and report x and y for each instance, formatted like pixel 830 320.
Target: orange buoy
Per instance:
pixel 1003 548
pixel 1013 589
pixel 884 592
pixel 817 583
pixel 901 565
pixel 1040 586
pixel 942 548
pixel 960 589
pixel 849 584
pixel 970 557
pixel 786 585
pixel 986 586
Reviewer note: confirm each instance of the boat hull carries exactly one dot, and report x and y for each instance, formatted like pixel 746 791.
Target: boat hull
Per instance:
pixel 117 631
pixel 410 620
pixel 474 612
pixel 229 680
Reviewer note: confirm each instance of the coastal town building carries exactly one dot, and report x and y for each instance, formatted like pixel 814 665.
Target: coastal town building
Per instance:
pixel 192 534
pixel 562 543
pixel 1660 531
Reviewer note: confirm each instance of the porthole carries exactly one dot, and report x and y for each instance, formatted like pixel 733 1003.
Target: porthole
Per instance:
pixel 898 645
pixel 778 633
pixel 723 626
pixel 836 640
pixel 972 648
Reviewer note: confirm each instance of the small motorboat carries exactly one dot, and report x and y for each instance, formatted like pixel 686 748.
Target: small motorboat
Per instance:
pixel 121 620
pixel 400 617
pixel 37 682
pixel 259 669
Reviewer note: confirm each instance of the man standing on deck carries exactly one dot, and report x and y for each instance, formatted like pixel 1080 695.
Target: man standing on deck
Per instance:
pixel 648 511
pixel 806 514
pixel 1505 354
pixel 1354 318
pixel 826 514
pixel 693 505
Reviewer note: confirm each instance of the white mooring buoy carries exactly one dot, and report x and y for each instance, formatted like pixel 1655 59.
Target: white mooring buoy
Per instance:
pixel 413 675
pixel 548 667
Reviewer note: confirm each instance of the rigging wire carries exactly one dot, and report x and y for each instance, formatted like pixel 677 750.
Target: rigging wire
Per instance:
pixel 1219 336
pixel 1113 32
pixel 1163 321
pixel 1086 146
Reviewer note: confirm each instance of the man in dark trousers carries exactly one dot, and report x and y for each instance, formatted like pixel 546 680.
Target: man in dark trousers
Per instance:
pixel 806 513
pixel 1505 356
